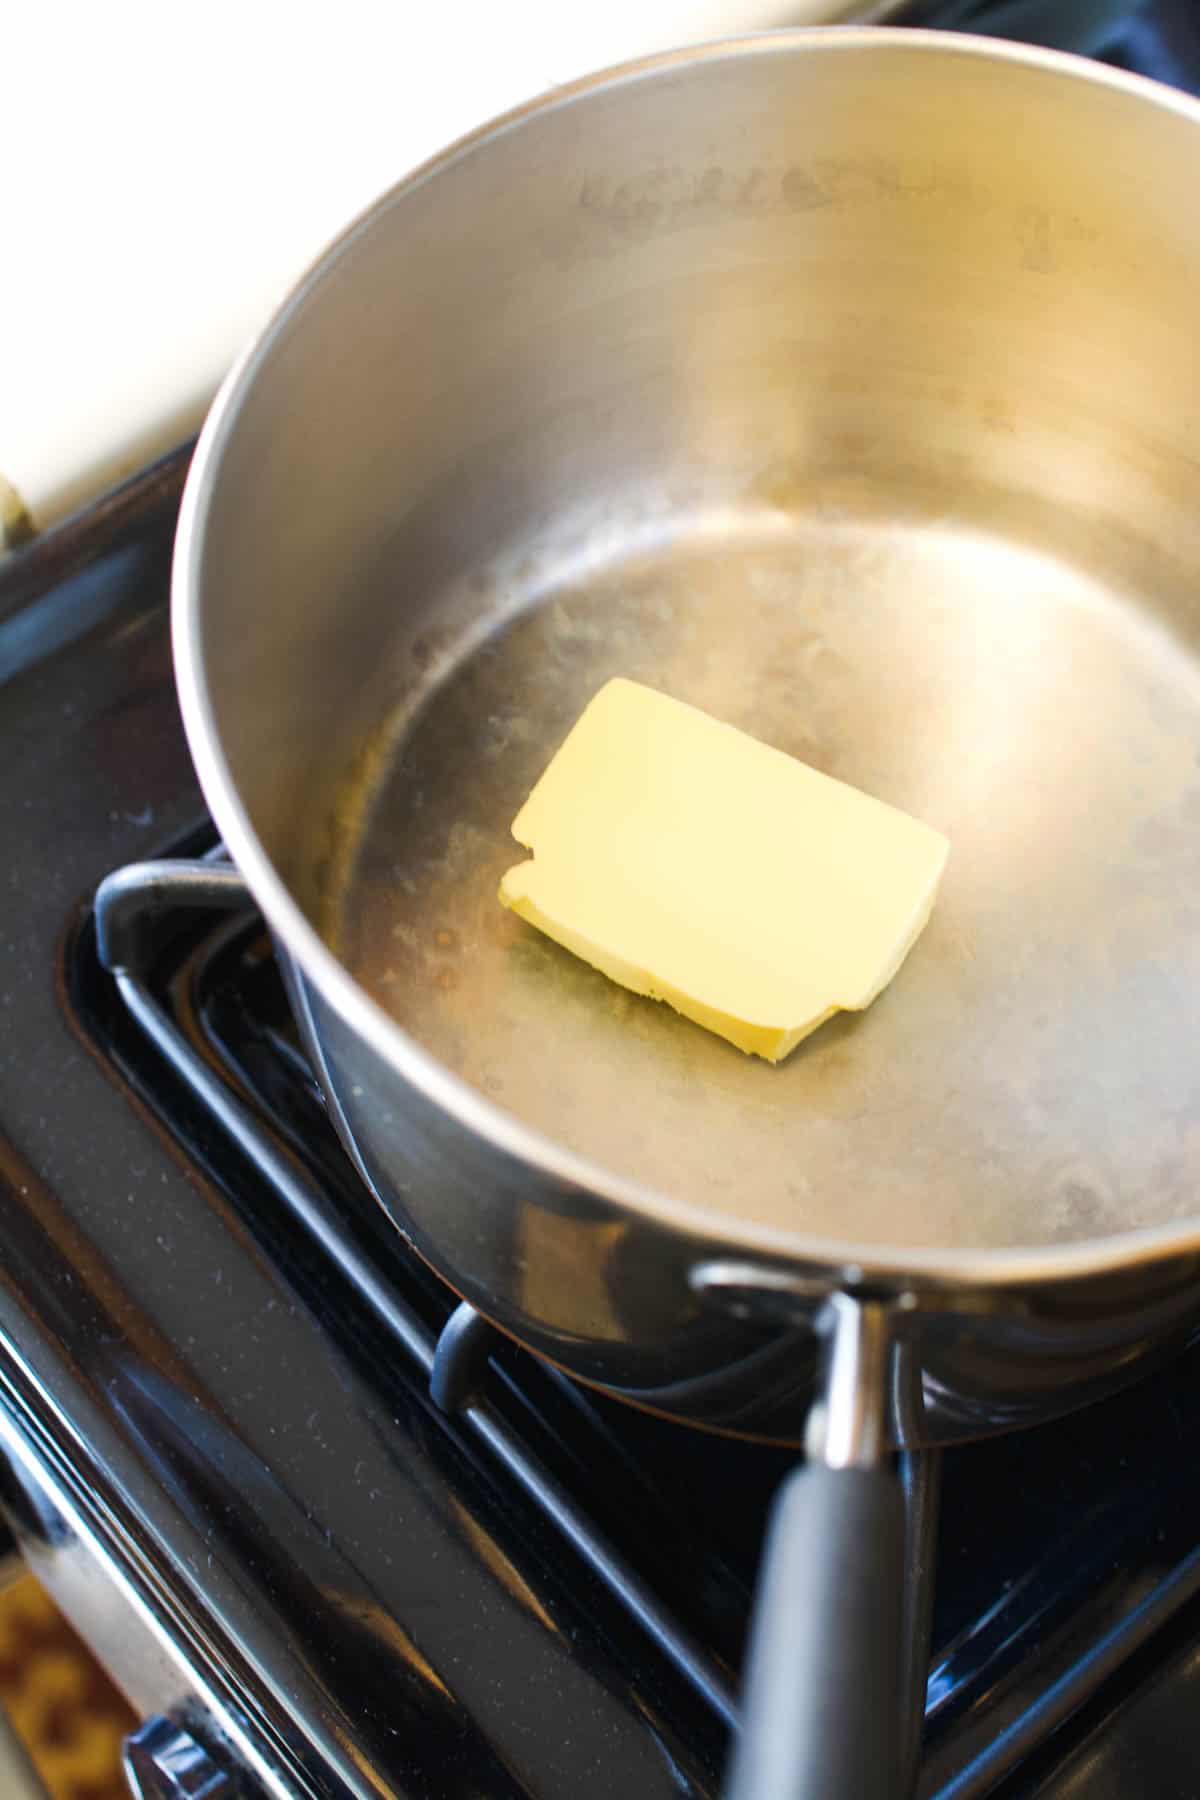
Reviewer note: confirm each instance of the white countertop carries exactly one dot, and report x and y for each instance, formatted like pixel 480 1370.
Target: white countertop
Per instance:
pixel 173 167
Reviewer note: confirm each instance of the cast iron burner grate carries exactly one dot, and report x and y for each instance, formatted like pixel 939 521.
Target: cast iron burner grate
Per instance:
pixel 1061 1551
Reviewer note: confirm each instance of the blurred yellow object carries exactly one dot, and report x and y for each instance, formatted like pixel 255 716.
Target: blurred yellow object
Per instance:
pixel 67 1714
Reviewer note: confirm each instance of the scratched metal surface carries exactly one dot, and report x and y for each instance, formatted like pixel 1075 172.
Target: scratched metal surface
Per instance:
pixel 1028 1069
pixel 791 388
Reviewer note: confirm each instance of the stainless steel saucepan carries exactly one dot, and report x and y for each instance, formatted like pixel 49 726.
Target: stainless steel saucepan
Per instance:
pixel 846 384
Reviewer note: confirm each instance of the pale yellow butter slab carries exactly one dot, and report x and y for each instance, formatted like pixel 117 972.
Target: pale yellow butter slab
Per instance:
pixel 694 864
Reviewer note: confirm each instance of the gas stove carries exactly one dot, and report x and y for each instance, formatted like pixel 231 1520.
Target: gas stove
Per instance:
pixel 331 1533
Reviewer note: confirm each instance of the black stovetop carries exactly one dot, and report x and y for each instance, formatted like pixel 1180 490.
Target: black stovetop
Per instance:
pixel 545 1593
pixel 1057 1552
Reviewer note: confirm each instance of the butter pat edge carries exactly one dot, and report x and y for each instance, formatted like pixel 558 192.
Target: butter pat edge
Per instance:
pixel 771 1040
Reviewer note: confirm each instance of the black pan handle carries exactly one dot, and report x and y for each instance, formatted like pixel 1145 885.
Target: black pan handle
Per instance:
pixel 821 1711
pixel 823 1715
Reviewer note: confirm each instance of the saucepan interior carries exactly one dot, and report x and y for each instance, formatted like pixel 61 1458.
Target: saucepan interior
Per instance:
pixel 846 386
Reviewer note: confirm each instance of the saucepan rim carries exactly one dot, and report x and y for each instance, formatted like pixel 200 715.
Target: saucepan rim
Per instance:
pixel 404 1055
